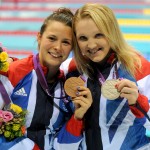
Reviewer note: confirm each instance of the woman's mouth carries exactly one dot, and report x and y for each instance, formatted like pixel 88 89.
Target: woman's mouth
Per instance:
pixel 94 51
pixel 55 55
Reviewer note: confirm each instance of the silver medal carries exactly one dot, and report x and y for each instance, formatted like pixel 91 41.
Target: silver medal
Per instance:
pixel 108 89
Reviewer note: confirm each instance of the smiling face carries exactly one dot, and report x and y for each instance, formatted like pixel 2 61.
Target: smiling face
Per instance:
pixel 92 43
pixel 55 44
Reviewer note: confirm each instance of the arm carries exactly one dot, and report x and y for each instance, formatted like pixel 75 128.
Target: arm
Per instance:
pixel 138 94
pixel 70 136
pixel 143 81
pixel 141 102
pixel 129 90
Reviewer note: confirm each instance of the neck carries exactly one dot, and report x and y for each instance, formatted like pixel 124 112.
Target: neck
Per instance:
pixel 52 75
pixel 107 61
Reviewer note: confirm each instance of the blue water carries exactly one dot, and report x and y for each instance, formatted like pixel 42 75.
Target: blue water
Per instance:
pixel 28 43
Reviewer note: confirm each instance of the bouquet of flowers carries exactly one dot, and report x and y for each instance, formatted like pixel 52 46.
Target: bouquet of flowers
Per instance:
pixel 3 60
pixel 12 121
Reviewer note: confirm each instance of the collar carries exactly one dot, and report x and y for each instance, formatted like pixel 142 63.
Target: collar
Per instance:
pixel 59 75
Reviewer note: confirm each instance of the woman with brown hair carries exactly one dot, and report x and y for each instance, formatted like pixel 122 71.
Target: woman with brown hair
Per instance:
pixel 51 122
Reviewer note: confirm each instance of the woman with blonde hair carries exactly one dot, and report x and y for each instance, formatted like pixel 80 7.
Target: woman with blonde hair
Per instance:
pixel 119 79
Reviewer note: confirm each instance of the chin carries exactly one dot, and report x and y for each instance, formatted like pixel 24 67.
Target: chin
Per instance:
pixel 97 60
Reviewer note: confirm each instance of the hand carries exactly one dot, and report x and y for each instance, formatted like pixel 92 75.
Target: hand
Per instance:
pixel 9 60
pixel 128 90
pixel 82 102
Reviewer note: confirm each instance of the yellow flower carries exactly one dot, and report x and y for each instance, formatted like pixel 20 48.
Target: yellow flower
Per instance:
pixel 16 108
pixel 3 56
pixel 5 67
pixel 7 134
pixel 16 127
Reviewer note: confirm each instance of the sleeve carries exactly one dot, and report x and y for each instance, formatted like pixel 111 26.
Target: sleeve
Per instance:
pixel 22 143
pixel 70 135
pixel 143 81
pixel 143 104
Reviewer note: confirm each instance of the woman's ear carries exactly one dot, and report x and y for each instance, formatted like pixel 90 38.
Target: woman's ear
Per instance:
pixel 38 38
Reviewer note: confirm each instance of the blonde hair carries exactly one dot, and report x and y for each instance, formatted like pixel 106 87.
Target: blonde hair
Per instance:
pixel 107 23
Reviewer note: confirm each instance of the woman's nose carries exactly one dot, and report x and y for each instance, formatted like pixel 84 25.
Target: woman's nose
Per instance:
pixel 91 44
pixel 57 46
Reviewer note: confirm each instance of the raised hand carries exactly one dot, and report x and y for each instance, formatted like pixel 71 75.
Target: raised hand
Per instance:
pixel 82 101
pixel 128 90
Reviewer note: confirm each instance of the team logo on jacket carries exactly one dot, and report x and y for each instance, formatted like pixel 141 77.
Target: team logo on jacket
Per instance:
pixel 21 92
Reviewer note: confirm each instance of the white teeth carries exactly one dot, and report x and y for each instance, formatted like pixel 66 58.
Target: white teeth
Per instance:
pixel 93 52
pixel 54 55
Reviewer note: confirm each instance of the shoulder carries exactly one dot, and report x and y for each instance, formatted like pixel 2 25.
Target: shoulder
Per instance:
pixel 5 81
pixel 68 66
pixel 22 62
pixel 145 69
pixel 20 68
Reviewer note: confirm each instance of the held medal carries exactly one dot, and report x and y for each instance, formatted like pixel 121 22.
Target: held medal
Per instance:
pixel 71 85
pixel 108 89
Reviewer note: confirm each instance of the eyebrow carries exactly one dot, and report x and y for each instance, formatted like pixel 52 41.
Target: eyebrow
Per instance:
pixel 67 39
pixel 80 35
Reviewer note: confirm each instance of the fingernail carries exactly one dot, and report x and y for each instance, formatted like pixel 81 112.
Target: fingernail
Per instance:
pixel 78 88
pixel 120 79
pixel 116 86
pixel 77 93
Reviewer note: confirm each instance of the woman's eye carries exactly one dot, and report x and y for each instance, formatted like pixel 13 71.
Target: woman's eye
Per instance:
pixel 52 38
pixel 66 42
pixel 82 38
pixel 99 35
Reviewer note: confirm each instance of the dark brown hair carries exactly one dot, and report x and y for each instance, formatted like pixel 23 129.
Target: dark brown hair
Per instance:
pixel 63 15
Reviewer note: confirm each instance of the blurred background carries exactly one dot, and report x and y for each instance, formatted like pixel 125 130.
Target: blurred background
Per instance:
pixel 20 20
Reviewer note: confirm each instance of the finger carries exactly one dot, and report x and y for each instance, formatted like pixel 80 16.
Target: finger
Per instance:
pixel 83 91
pixel 81 88
pixel 85 100
pixel 81 104
pixel 129 90
pixel 76 105
pixel 126 90
pixel 130 97
pixel 125 83
pixel 126 95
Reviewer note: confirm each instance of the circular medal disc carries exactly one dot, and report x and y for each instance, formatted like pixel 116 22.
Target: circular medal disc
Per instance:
pixel 109 91
pixel 71 85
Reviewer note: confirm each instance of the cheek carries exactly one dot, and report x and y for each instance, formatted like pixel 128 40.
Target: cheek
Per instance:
pixel 81 46
pixel 107 48
pixel 67 50
pixel 106 44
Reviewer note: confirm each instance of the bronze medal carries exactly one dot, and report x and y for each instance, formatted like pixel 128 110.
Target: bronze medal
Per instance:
pixel 71 85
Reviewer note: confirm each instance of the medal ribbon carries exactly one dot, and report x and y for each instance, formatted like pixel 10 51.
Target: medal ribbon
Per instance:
pixel 102 80
pixel 101 77
pixel 4 94
pixel 42 79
